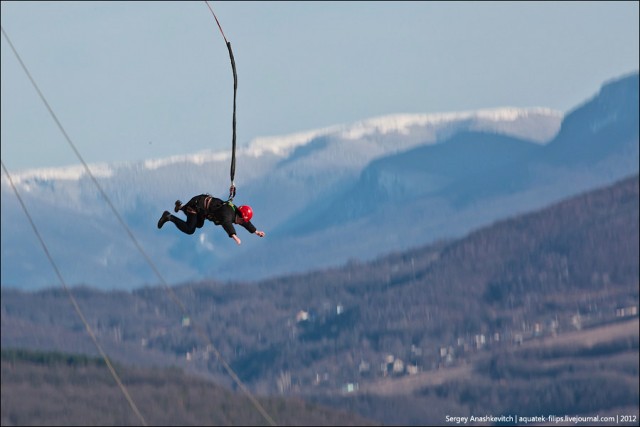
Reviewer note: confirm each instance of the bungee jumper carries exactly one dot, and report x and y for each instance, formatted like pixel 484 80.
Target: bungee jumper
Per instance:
pixel 205 206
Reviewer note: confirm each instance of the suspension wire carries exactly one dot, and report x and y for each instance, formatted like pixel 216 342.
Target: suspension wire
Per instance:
pixel 76 307
pixel 148 259
pixel 232 189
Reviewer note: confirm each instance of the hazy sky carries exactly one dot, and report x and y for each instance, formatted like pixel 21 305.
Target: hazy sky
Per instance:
pixel 136 80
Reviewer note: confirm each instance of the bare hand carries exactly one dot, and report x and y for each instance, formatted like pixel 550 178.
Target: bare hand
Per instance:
pixel 260 233
pixel 237 239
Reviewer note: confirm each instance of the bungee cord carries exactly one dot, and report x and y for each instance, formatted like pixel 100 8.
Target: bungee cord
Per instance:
pixel 232 188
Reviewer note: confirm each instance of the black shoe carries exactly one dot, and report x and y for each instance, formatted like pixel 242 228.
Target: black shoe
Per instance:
pixel 178 206
pixel 164 218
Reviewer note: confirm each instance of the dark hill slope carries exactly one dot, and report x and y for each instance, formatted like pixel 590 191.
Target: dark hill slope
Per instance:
pixel 63 389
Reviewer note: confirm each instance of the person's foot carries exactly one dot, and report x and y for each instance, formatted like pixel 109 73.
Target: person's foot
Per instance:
pixel 178 206
pixel 164 218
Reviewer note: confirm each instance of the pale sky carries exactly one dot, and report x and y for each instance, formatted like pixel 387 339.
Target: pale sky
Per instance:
pixel 137 80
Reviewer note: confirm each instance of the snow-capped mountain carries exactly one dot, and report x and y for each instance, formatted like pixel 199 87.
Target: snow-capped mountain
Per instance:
pixel 323 197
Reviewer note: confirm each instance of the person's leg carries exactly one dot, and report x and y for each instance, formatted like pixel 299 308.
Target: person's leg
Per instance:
pixel 164 218
pixel 188 226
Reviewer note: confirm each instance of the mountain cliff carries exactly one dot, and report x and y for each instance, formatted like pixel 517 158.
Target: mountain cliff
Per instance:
pixel 324 197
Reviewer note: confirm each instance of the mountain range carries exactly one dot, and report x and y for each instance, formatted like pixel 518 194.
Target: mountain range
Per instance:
pixel 324 197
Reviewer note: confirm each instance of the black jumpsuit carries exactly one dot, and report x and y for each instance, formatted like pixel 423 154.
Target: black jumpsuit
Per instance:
pixel 208 207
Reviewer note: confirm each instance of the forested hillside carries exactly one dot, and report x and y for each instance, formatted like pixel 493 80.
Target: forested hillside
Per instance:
pixel 63 389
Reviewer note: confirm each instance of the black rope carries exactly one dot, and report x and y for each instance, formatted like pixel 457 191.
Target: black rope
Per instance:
pixel 232 172
pixel 232 189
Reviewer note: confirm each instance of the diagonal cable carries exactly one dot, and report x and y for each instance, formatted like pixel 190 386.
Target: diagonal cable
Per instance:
pixel 153 266
pixel 76 307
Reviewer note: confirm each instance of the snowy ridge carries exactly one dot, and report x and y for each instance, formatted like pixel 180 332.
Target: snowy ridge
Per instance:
pixel 197 159
pixel 283 145
pixel 398 123
pixel 401 123
pixel 104 170
pixel 64 173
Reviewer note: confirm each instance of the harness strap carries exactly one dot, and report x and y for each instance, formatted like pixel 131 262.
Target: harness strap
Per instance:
pixel 207 202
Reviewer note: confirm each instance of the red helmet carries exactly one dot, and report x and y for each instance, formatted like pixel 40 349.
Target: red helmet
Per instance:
pixel 246 212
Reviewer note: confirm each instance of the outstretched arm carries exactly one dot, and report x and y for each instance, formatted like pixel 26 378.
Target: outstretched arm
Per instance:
pixel 238 241
pixel 252 228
